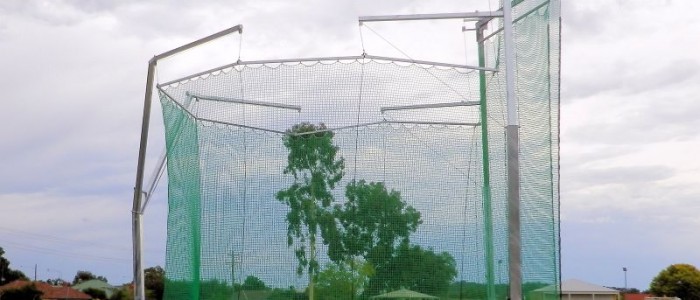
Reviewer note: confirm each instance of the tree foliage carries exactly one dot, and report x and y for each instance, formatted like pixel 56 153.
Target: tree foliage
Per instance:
pixel 215 289
pixel 286 294
pixel 678 280
pixel 122 294
pixel 373 221
pixel 7 274
pixel 95 293
pixel 313 162
pixel 416 269
pixel 27 292
pixel 341 281
pixel 81 276
pixel 154 281
pixel 625 290
pixel 57 281
pixel 252 283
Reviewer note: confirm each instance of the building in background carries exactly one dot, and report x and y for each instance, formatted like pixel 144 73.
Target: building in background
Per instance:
pixel 49 292
pixel 97 284
pixel 574 289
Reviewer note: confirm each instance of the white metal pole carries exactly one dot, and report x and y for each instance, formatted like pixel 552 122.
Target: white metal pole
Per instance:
pixel 512 108
pixel 415 17
pixel 513 152
pixel 136 213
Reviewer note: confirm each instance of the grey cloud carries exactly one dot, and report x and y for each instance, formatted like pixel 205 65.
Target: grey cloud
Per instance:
pixel 589 177
pixel 53 13
pixel 627 78
pixel 584 22
pixel 673 116
pixel 574 155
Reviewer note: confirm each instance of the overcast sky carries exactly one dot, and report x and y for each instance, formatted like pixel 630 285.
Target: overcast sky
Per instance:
pixel 73 76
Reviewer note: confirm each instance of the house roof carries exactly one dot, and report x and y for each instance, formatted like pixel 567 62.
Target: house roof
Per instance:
pixel 404 294
pixel 637 296
pixel 575 286
pixel 49 291
pixel 93 283
pixel 97 284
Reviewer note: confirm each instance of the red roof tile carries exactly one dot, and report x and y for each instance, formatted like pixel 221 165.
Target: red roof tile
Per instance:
pixel 50 291
pixel 636 296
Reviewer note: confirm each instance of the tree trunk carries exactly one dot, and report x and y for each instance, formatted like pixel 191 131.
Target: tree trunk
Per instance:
pixel 312 248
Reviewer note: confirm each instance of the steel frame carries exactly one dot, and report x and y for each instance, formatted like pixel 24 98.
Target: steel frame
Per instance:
pixel 511 128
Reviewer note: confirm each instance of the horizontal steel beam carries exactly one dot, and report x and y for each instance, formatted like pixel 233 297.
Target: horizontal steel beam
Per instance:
pixel 241 101
pixel 241 125
pixel 433 105
pixel 434 123
pixel 414 17
pixel 516 20
pixel 385 122
pixel 430 63
pixel 238 28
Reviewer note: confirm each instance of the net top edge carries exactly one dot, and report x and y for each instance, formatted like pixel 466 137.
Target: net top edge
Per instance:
pixel 362 59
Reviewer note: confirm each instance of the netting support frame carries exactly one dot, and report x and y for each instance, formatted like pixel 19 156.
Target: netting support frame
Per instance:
pixel 515 274
pixel 480 26
pixel 512 137
pixel 139 205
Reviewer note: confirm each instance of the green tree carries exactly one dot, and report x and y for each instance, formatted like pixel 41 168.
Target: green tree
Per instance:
pixel 154 281
pixel 625 290
pixel 81 276
pixel 27 292
pixel 316 168
pixel 95 293
pixel 414 268
pixel 341 281
pixel 252 283
pixel 6 273
pixel 215 289
pixel 286 294
pixel 373 221
pixel 57 281
pixel 123 293
pixel 678 280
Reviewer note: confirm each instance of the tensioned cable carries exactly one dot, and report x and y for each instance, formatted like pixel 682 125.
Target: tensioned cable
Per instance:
pixel 245 181
pixel 384 149
pixel 60 240
pixel 359 111
pixel 464 39
pixel 390 43
pixel 432 150
pixel 63 253
pixel 411 58
pixel 362 40
pixel 466 202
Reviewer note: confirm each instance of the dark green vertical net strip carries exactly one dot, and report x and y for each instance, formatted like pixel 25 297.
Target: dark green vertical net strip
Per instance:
pixel 363 178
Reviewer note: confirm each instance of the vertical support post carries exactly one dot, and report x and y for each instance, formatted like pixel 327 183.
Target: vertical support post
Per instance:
pixel 486 189
pixel 513 152
pixel 136 211
pixel 138 206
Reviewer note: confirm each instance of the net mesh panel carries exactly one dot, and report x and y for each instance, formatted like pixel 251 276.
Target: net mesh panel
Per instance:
pixel 228 227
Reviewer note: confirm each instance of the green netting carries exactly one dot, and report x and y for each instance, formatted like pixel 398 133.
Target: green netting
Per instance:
pixel 326 192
